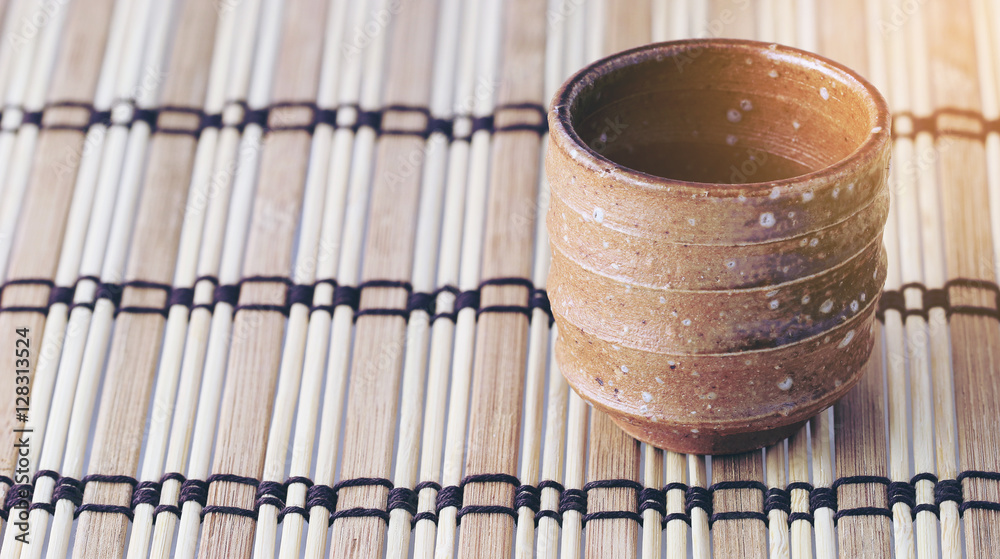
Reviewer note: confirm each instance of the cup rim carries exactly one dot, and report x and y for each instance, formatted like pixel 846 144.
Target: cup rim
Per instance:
pixel 863 156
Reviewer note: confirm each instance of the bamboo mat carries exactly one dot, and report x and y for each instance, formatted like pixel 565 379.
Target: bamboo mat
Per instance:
pixel 274 286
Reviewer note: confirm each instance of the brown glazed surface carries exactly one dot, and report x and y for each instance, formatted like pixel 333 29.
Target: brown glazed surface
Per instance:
pixel 716 229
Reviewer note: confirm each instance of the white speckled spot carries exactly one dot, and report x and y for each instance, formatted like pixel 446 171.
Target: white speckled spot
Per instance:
pixel 711 395
pixel 663 299
pixel 730 263
pixel 643 409
pixel 615 266
pixel 813 241
pixel 836 192
pixel 624 369
pixel 671 363
pixel 616 347
pixel 598 215
pixel 847 339
pixel 803 242
pixel 864 297
pixel 773 73
pixel 773 304
pixel 767 219
pixel 686 322
pixel 746 105
pixel 824 93
pixel 647 397
pixel 730 139
pixel 785 384
pixel 659 380
pixel 806 196
pixel 850 187
pixel 806 299
pixel 855 306
pixel 734 115
pixel 741 198
pixel 795 124
pixel 606 245
pixel 876 130
pixel 692 221
pixel 771 293
pixel 827 306
pixel 775 192
pixel 695 431
pixel 837 383
pixel 791 215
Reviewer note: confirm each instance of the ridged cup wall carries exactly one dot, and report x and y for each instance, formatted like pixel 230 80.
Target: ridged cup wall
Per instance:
pixel 709 317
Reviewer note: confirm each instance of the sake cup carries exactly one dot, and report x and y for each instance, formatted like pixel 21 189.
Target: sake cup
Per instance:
pixel 715 222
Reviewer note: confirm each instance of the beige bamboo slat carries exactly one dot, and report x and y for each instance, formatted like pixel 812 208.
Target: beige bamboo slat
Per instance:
pixel 121 163
pixel 969 255
pixel 136 343
pixel 451 73
pixel 42 217
pixel 309 255
pixel 576 464
pixel 777 520
pixel 987 43
pixel 359 149
pixel 860 450
pixel 497 387
pixel 701 546
pixel 205 219
pixel 255 353
pixel 540 332
pixel 547 532
pixel 904 210
pixel 11 14
pixel 612 455
pixel 491 25
pixel 904 545
pixel 800 532
pixel 927 224
pixel 17 62
pixel 379 340
pixel 442 334
pixel 193 163
pixel 225 255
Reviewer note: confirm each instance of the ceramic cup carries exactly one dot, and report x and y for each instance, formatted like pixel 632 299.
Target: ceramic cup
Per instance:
pixel 716 229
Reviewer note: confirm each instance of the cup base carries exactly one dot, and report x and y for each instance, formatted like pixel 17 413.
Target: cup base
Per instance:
pixel 708 442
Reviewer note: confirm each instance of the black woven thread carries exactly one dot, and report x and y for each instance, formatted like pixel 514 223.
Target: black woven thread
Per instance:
pixel 68 489
pixel 528 496
pixel 193 490
pixel 270 493
pixel 653 499
pixel 777 499
pixel 146 493
pixel 321 496
pixel 450 496
pixel 402 498
pixel 902 492
pixel 573 500
pixel 698 498
pixel 822 498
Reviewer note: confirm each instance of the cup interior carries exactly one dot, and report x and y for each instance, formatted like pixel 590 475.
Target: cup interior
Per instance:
pixel 723 112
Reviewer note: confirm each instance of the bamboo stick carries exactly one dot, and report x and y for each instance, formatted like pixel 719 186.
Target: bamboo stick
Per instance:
pixel 497 388
pixel 738 537
pixel 800 532
pixel 309 252
pixel 969 255
pixel 222 257
pixel 468 279
pixel 337 84
pixel 931 242
pixel 860 451
pixel 552 459
pixel 777 520
pixel 904 210
pixel 348 272
pixel 701 547
pixel 822 476
pixel 205 215
pixel 46 204
pixel 379 342
pixel 255 357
